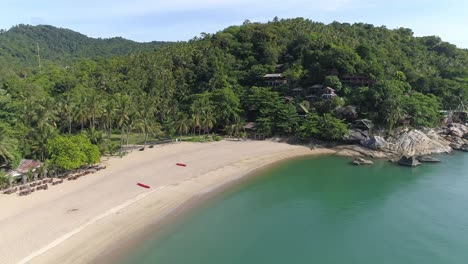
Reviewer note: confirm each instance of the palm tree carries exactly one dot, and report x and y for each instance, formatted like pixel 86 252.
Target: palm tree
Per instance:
pixel 108 116
pixel 122 115
pixel 195 122
pixel 94 135
pixel 40 137
pixel 94 108
pixel 67 111
pixel 81 113
pixel 7 147
pixel 208 121
pixel 182 125
pixel 43 169
pixel 67 108
pixel 146 125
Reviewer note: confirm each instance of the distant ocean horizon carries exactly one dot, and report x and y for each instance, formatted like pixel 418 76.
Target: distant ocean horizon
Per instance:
pixel 324 210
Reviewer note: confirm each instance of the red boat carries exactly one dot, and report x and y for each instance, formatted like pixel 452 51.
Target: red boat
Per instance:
pixel 181 164
pixel 143 185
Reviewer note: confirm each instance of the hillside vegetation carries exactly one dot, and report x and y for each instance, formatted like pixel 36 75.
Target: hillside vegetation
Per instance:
pixel 19 46
pixel 215 83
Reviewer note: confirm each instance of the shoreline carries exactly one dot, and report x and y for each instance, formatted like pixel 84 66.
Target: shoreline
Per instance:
pixel 112 214
pixel 119 251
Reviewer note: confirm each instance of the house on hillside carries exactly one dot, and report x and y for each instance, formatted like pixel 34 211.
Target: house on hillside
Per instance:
pixel 298 91
pixel 328 93
pixel 275 79
pixel 314 89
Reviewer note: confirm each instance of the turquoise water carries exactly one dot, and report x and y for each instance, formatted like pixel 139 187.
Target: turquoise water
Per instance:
pixel 322 210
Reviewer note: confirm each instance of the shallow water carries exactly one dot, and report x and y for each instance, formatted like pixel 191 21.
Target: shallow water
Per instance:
pixel 323 210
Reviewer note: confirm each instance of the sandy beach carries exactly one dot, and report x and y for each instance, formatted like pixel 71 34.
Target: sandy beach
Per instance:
pixel 80 221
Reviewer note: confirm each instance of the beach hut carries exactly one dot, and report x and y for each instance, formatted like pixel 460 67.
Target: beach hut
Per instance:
pixel 251 130
pixel 25 166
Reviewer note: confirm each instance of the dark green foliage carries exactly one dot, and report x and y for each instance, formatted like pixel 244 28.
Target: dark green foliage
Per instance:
pixel 72 152
pixel 423 109
pixel 333 82
pixel 19 46
pixel 214 83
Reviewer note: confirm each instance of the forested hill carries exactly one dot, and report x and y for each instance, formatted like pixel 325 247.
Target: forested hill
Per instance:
pixel 290 77
pixel 18 46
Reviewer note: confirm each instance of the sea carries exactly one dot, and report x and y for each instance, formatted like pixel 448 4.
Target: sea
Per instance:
pixel 325 210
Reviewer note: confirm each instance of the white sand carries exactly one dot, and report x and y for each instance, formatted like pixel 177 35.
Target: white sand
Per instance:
pixel 77 221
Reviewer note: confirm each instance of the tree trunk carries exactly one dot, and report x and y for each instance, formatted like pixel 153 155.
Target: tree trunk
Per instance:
pixel 128 134
pixel 110 130
pixel 146 138
pixel 121 139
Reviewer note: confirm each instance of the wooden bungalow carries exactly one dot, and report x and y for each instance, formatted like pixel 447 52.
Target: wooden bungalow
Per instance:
pixel 314 89
pixel 251 130
pixel 328 93
pixel 275 79
pixel 298 91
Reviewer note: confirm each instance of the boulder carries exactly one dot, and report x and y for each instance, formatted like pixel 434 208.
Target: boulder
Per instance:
pixel 408 161
pixel 464 147
pixel 427 159
pixel 415 142
pixel 456 145
pixel 375 143
pixel 458 130
pixel 361 161
pixel 356 136
pixel 359 151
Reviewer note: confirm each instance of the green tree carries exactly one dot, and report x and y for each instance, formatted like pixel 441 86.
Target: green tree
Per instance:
pixel 423 109
pixel 332 128
pixel 333 82
pixel 65 154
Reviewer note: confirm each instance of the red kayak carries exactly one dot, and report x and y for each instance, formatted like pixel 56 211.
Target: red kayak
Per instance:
pixel 143 185
pixel 181 164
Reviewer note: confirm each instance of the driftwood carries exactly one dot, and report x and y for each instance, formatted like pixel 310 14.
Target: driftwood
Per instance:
pixel 42 187
pixel 10 191
pixel 57 182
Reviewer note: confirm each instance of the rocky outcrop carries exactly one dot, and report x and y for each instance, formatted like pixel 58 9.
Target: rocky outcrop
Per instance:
pixel 458 130
pixel 457 146
pixel 416 142
pixel 427 159
pixel 406 142
pixel 356 136
pixel 376 143
pixel 408 161
pixel 359 151
pixel 361 161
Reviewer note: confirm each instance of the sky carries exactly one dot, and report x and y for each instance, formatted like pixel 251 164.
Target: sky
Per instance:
pixel 173 20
